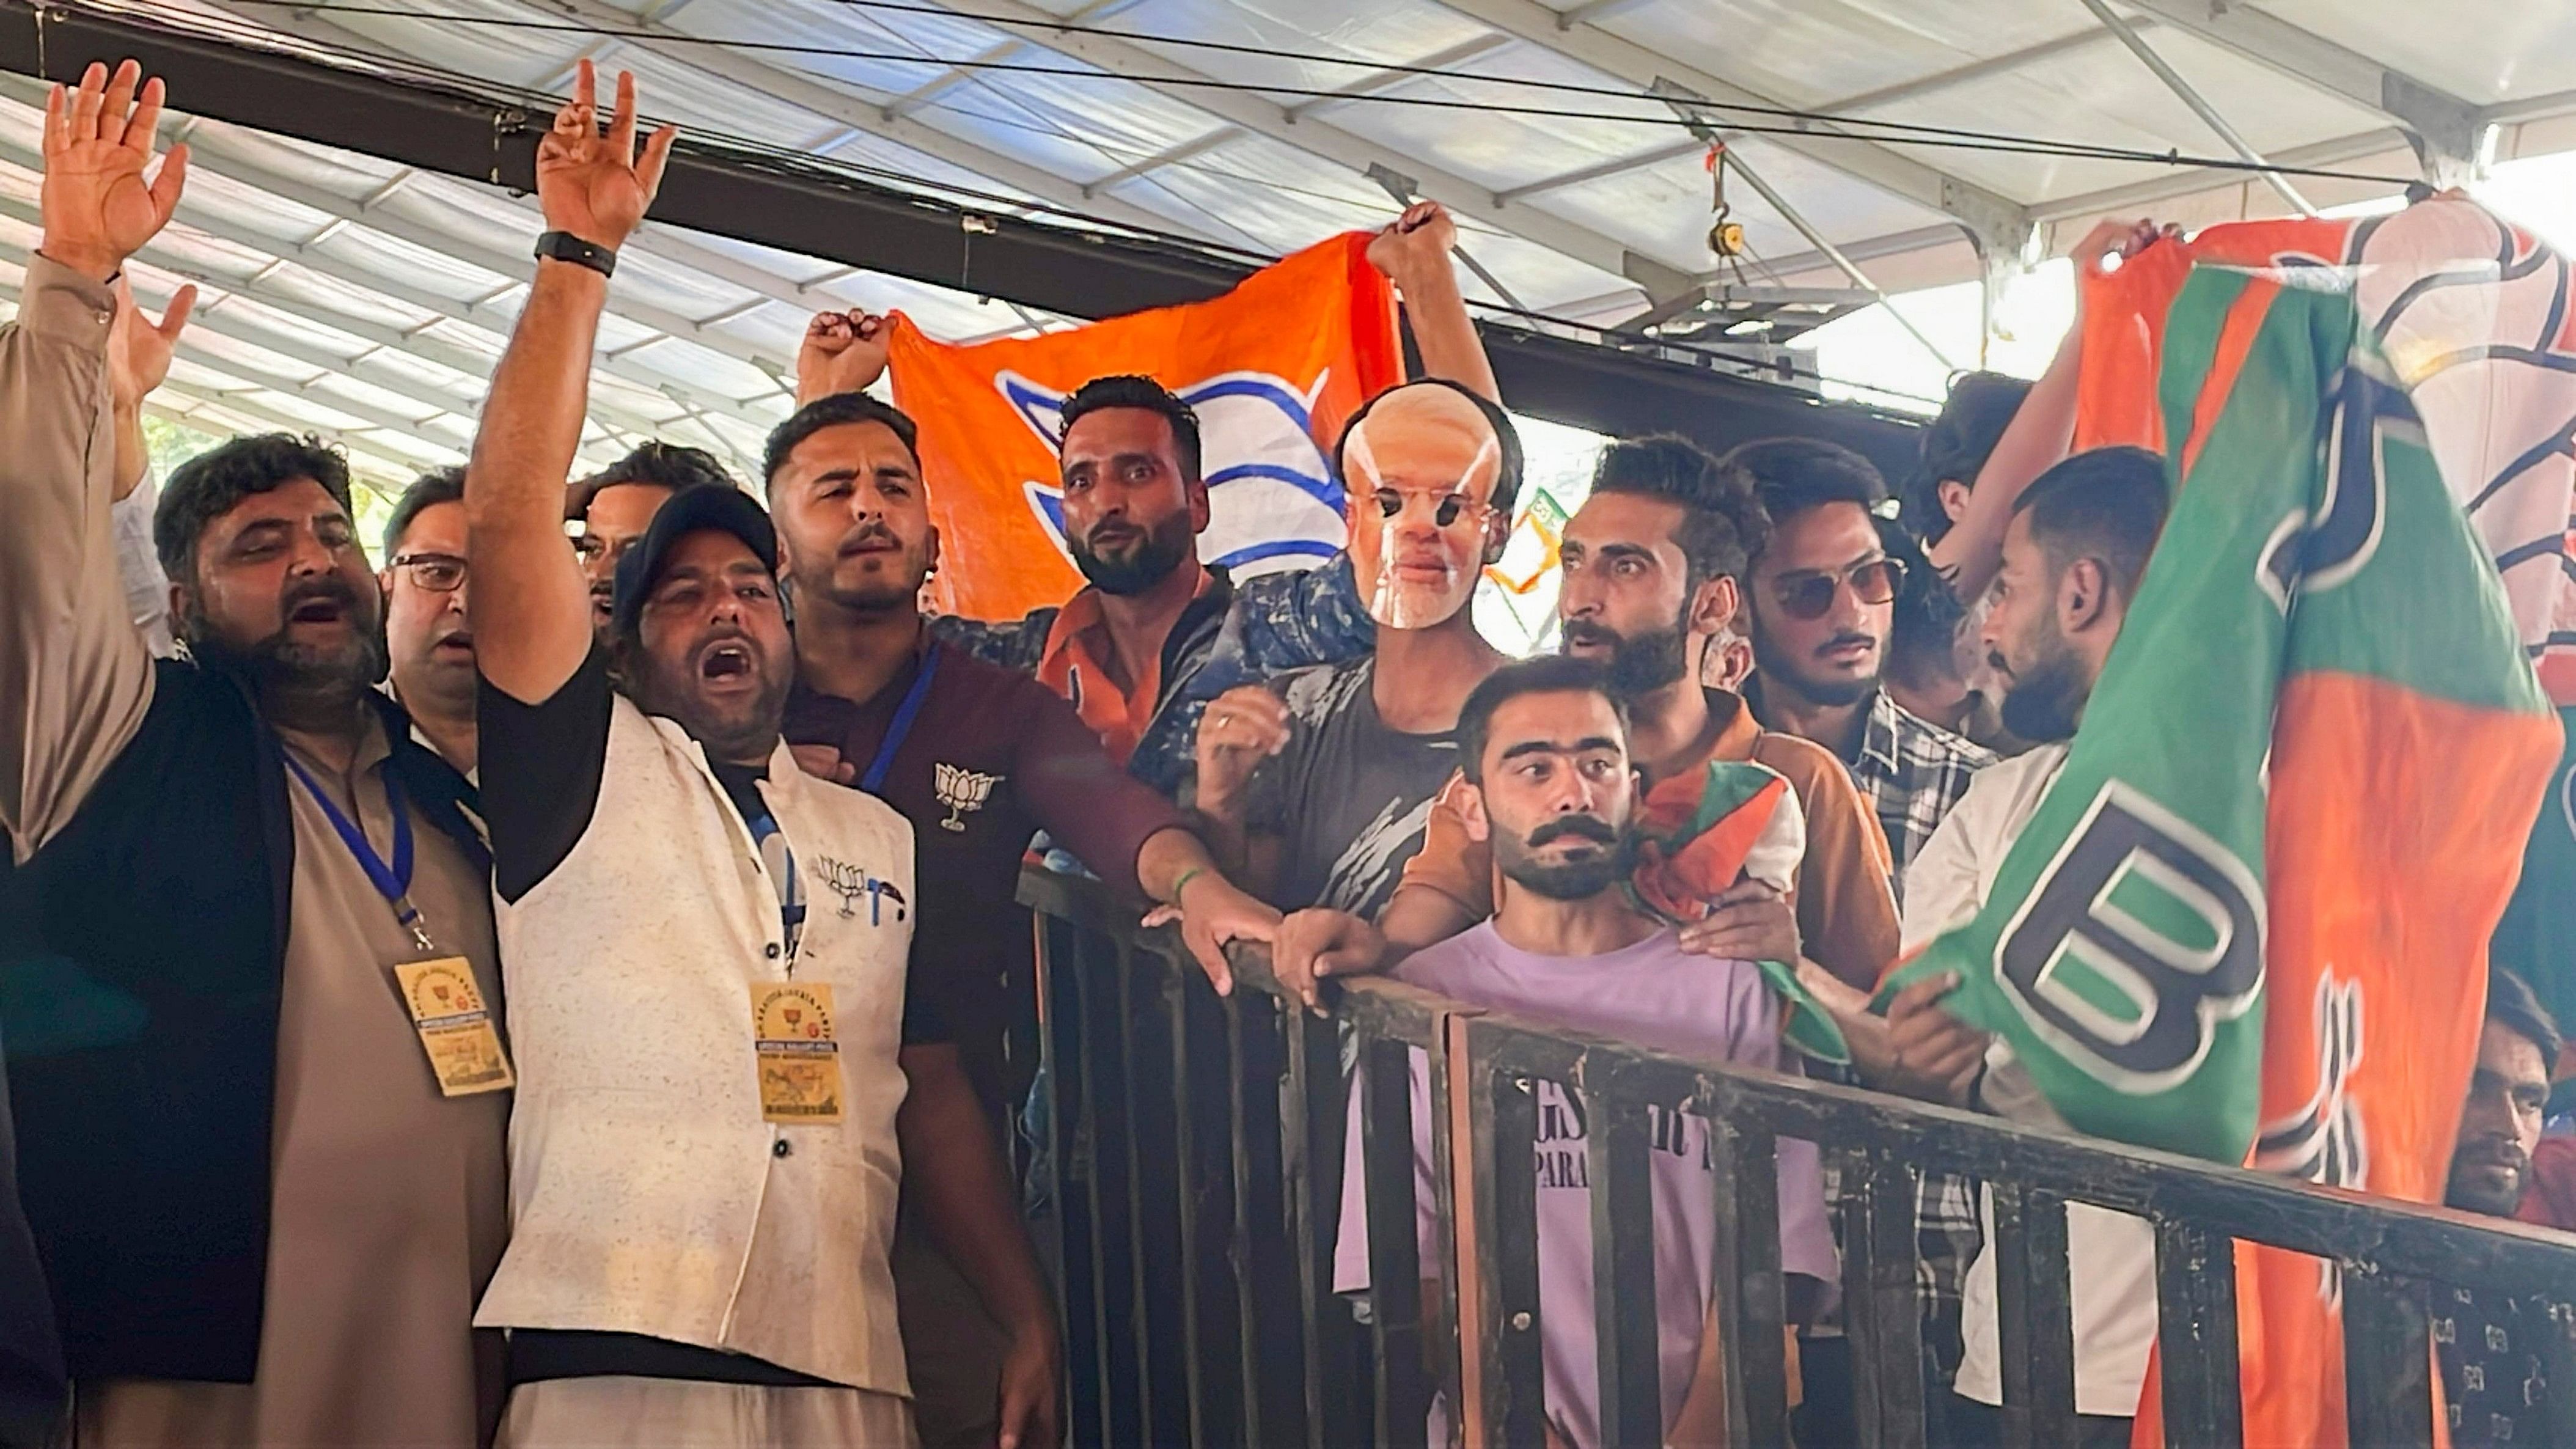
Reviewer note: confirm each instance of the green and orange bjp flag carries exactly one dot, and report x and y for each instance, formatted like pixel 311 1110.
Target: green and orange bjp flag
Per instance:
pixel 1273 368
pixel 2250 919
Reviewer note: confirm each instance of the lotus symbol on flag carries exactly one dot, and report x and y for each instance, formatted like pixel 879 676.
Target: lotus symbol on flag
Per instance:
pixel 1271 493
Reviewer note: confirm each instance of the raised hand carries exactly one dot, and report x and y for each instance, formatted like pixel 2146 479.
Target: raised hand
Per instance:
pixel 97 206
pixel 842 352
pixel 1422 237
pixel 1243 727
pixel 138 348
pixel 592 185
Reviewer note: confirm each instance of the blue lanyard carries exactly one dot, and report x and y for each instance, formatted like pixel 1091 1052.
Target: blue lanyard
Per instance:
pixel 901 725
pixel 780 860
pixel 393 882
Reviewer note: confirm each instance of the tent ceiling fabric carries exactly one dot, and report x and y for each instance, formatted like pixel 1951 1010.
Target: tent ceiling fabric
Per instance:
pixel 358 297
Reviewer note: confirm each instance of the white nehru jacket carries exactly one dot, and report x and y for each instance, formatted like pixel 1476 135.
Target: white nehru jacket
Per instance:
pixel 647 1194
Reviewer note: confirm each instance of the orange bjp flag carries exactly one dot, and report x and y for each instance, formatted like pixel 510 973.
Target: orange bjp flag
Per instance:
pixel 1273 368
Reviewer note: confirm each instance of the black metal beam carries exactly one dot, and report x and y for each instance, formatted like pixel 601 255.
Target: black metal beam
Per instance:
pixel 489 135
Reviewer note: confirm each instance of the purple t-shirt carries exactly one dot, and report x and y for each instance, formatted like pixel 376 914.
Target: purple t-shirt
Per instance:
pixel 1654 995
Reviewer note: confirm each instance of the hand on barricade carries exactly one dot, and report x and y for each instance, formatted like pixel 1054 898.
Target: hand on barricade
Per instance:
pixel 1314 944
pixel 1214 912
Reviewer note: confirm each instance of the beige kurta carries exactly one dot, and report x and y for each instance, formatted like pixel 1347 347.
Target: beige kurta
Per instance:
pixel 389 1205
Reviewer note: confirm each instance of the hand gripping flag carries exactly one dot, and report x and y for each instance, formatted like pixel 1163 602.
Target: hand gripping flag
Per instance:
pixel 1273 367
pixel 2256 902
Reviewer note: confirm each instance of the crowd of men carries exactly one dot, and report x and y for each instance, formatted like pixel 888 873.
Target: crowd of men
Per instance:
pixel 566 994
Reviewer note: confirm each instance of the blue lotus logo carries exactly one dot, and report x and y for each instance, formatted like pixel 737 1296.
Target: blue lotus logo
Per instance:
pixel 1271 494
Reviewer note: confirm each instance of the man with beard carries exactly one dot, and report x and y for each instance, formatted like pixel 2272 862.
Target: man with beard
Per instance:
pixel 1651 567
pixel 2494 1348
pixel 1156 634
pixel 1317 786
pixel 722 1086
pixel 2073 554
pixel 979 758
pixel 609 510
pixel 1548 784
pixel 1821 602
pixel 431 646
pixel 265 1200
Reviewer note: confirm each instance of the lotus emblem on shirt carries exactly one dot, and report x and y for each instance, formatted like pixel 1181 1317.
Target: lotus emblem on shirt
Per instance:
pixel 961 790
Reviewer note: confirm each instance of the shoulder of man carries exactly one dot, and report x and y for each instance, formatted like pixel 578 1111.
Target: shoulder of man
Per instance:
pixel 1276 622
pixel 1320 691
pixel 1009 645
pixel 1451 965
pixel 1811 769
pixel 1925 737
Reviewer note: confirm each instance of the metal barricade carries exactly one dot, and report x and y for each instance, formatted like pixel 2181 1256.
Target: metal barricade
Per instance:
pixel 1195 1175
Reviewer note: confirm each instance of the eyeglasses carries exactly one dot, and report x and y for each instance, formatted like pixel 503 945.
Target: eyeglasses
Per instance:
pixel 1445 507
pixel 437 573
pixel 1809 593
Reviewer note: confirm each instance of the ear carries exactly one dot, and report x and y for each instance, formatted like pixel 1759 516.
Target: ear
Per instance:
pixel 1954 498
pixel 1498 534
pixel 1471 812
pixel 181 600
pixel 385 582
pixel 2083 595
pixel 1713 606
pixel 1201 513
pixel 786 554
pixel 931 564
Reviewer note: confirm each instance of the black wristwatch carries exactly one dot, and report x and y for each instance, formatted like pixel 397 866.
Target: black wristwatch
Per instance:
pixel 563 246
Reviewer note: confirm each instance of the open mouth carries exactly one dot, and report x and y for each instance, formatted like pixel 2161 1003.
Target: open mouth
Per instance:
pixel 318 611
pixel 724 663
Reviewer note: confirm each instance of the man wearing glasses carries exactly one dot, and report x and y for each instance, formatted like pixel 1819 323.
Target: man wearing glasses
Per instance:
pixel 1821 607
pixel 432 650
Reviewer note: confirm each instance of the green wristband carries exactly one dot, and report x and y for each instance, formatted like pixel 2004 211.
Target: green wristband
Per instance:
pixel 1178 886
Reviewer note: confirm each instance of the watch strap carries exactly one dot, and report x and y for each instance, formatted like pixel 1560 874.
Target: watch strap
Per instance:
pixel 563 246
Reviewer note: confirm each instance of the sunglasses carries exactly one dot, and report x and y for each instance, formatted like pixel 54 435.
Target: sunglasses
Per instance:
pixel 1446 508
pixel 1809 593
pixel 437 573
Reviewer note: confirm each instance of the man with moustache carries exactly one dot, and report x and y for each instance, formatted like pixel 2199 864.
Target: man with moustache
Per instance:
pixel 265 1204
pixel 1549 784
pixel 2494 1348
pixel 1821 602
pixel 2073 553
pixel 978 758
pixel 430 644
pixel 1317 786
pixel 1651 565
pixel 724 1074
pixel 1156 634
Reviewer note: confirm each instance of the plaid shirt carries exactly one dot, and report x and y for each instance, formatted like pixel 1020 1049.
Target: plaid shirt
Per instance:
pixel 1913 771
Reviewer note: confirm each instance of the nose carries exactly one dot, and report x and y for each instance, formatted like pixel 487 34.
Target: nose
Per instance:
pixel 456 600
pixel 311 555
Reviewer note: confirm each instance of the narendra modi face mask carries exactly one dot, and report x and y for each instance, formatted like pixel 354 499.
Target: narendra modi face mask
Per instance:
pixel 1420 470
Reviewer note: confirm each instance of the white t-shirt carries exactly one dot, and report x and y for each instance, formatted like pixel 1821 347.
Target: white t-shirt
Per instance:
pixel 1656 996
pixel 2110 1257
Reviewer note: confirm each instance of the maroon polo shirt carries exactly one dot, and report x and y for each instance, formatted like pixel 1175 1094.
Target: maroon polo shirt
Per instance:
pixel 991 758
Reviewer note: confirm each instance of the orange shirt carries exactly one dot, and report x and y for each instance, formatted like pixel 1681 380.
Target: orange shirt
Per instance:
pixel 1071 664
pixel 1846 912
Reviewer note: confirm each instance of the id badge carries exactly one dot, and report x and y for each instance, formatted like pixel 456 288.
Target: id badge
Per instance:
pixel 455 1027
pixel 798 1055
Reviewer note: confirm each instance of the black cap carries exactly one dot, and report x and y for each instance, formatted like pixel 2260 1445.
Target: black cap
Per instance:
pixel 691 510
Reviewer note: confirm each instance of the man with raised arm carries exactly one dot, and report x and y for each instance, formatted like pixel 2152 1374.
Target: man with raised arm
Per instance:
pixel 708 952
pixel 267 1181
pixel 1156 634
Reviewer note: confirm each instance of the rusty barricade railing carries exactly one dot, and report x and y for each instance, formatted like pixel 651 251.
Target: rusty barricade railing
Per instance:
pixel 1193 1175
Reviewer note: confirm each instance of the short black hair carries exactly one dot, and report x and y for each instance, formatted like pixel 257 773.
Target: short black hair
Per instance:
pixel 675 466
pixel 832 412
pixel 211 484
pixel 438 485
pixel 1792 475
pixel 1955 445
pixel 2511 1003
pixel 1544 674
pixel 1507 439
pixel 1134 390
pixel 2105 503
pixel 1723 524
pixel 1924 628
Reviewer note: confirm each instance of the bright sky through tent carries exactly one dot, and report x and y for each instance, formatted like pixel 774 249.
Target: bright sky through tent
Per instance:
pixel 1868 357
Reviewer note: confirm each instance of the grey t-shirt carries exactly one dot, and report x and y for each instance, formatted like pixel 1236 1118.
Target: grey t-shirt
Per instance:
pixel 1349 797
